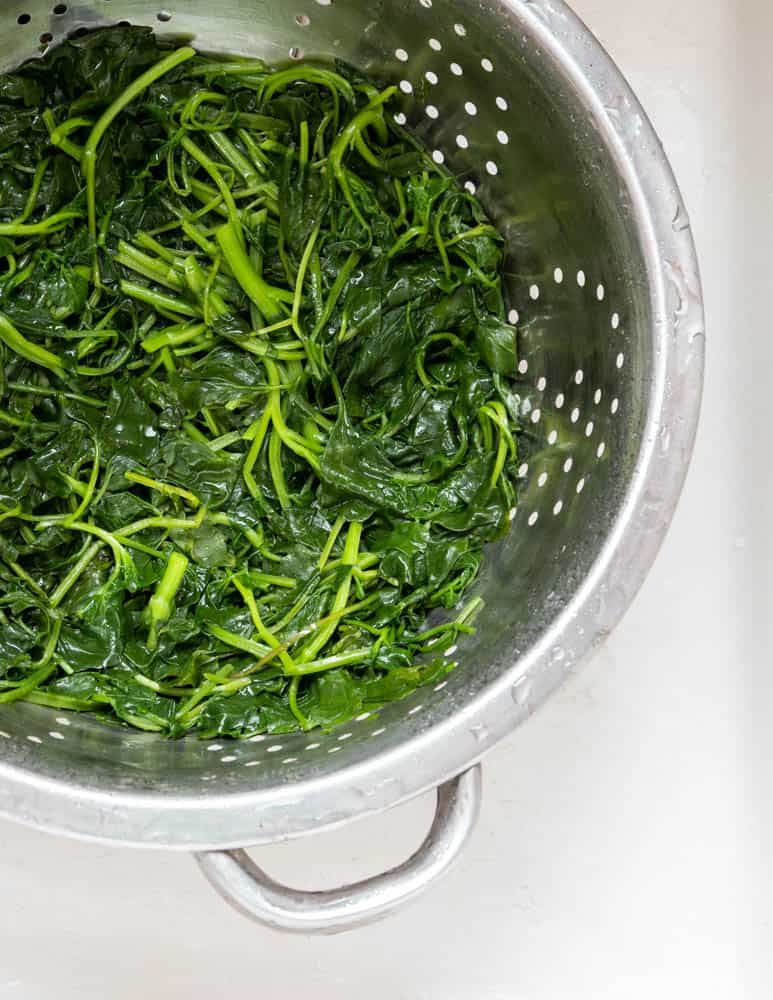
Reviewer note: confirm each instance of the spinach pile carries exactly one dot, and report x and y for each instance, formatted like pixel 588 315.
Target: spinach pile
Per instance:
pixel 258 411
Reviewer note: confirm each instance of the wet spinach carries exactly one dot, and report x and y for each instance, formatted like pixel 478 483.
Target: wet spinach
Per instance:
pixel 256 403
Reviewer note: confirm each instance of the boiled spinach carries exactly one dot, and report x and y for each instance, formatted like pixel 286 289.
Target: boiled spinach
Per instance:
pixel 257 417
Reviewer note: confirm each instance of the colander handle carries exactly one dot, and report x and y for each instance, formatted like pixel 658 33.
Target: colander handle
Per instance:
pixel 251 891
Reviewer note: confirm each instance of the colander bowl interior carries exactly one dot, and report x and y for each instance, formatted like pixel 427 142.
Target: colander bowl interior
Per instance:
pixel 521 104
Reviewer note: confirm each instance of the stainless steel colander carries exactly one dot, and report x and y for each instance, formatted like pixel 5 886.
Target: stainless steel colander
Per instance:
pixel 520 101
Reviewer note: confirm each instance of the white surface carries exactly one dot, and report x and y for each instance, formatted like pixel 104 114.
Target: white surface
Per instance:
pixel 621 851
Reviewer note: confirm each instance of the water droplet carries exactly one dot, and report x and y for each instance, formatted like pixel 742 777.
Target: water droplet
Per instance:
pixel 537 7
pixel 521 691
pixel 628 125
pixel 478 732
pixel 688 309
pixel 680 221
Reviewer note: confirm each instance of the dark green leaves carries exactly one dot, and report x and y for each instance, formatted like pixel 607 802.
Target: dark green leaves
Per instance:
pixel 258 402
pixel 129 425
pixel 496 341
pixel 354 465
pixel 304 197
pixel 223 377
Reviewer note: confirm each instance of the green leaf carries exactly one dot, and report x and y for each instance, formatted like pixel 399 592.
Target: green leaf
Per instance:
pixel 496 341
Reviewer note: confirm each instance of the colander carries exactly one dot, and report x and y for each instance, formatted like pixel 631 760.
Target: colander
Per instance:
pixel 518 99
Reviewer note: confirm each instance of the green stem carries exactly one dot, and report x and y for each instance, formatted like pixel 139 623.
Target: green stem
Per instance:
pixel 165 489
pixel 277 470
pixel 265 634
pixel 141 263
pixel 132 92
pixel 292 697
pixel 300 281
pixel 24 575
pixel 258 438
pixel 370 115
pixel 161 605
pixel 162 523
pixel 19 344
pixel 75 574
pixel 173 337
pixel 211 168
pixel 232 155
pixel 162 303
pixel 335 292
pixel 32 198
pixel 267 298
pixel 334 662
pixel 88 494
pixel 25 689
pixel 303 447
pixel 39 390
pixel 59 135
pixel 237 641
pixel 121 557
pixel 335 531
pixel 53 224
pixel 350 556
pixel 44 671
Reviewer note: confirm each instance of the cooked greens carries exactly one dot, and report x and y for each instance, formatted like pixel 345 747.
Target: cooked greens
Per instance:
pixel 258 411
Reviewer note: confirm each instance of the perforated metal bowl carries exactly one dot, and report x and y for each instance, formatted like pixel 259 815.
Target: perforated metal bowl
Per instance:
pixel 524 106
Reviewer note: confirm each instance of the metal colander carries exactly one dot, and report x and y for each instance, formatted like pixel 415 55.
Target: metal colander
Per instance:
pixel 521 103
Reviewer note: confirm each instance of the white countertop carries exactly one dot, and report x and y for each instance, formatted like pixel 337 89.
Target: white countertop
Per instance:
pixel 622 849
